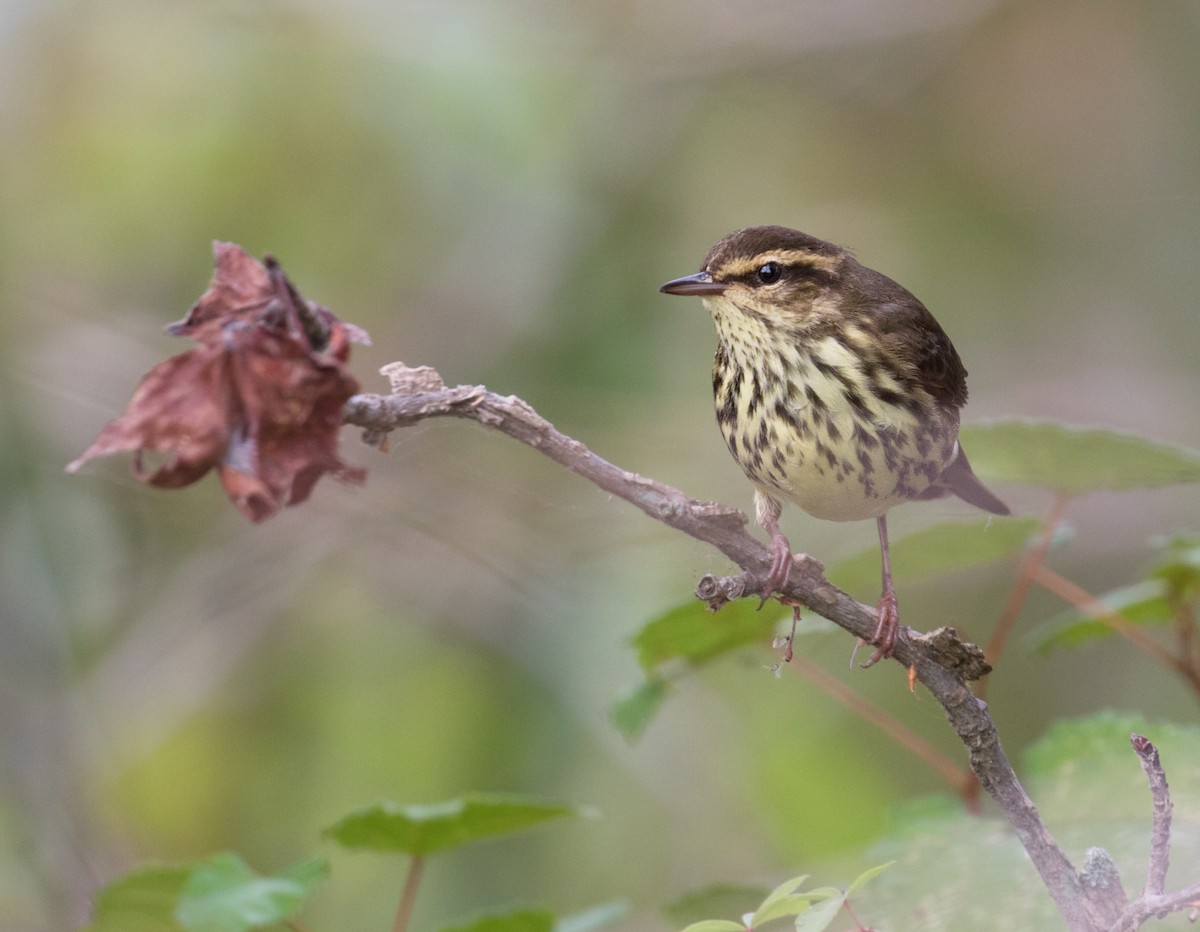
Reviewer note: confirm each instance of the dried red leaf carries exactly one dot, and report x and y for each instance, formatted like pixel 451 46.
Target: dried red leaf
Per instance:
pixel 260 398
pixel 240 285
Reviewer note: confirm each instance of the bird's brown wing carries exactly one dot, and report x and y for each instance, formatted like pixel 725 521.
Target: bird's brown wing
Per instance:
pixel 915 335
pixel 913 338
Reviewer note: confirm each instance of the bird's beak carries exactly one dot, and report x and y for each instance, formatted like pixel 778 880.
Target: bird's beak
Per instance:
pixel 699 284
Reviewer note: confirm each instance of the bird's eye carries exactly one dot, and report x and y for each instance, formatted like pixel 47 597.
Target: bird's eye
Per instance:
pixel 769 273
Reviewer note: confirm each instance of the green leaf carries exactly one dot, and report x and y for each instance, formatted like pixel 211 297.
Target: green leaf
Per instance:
pixel 716 925
pixel 945 548
pixel 142 901
pixel 866 877
pixel 595 918
pixel 773 902
pixel 1181 570
pixel 692 633
pixel 1073 745
pixel 223 894
pixel 821 915
pixel 520 920
pixel 632 713
pixel 792 905
pixel 825 893
pixel 719 899
pixel 1085 772
pixel 1172 585
pixel 451 824
pixel 544 920
pixel 1091 789
pixel 1143 603
pixel 1075 460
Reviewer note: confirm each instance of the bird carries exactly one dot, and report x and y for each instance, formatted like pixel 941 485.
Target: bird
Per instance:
pixel 835 389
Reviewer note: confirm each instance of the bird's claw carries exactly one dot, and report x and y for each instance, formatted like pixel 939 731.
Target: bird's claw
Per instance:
pixel 781 565
pixel 887 627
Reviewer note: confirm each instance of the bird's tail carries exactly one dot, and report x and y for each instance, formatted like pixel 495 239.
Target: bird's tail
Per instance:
pixel 959 479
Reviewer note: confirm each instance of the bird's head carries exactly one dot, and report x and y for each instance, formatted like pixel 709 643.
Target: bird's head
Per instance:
pixel 772 273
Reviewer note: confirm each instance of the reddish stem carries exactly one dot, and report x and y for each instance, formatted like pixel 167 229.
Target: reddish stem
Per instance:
pixel 904 736
pixel 1034 560
pixel 1084 600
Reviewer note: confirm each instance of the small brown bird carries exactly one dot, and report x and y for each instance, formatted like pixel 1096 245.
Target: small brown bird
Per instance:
pixel 835 389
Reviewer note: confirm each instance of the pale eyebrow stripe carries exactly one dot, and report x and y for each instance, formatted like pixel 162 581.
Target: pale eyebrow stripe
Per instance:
pixel 738 267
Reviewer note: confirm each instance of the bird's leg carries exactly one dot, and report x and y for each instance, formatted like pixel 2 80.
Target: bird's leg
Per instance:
pixel 888 624
pixel 767 510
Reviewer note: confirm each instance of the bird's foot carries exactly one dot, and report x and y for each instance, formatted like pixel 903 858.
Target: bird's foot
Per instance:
pixel 886 628
pixel 781 565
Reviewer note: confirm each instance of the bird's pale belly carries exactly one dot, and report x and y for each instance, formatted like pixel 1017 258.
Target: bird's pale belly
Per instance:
pixel 843 490
pixel 830 445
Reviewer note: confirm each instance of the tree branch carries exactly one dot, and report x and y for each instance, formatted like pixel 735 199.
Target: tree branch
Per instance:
pixel 719 525
pixel 1160 834
pixel 942 662
pixel 1158 907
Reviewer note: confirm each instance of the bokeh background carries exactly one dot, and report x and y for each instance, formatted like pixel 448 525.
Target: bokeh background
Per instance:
pixel 497 190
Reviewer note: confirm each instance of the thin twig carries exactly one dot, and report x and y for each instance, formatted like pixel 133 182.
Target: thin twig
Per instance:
pixel 891 726
pixel 1084 600
pixel 1157 907
pixel 1153 903
pixel 409 896
pixel 1160 832
pixel 1034 560
pixel 1185 628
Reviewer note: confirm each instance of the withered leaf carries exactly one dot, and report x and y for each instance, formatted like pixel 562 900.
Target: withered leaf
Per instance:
pixel 260 398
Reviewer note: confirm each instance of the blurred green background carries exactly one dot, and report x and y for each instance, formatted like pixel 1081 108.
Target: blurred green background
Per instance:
pixel 497 190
